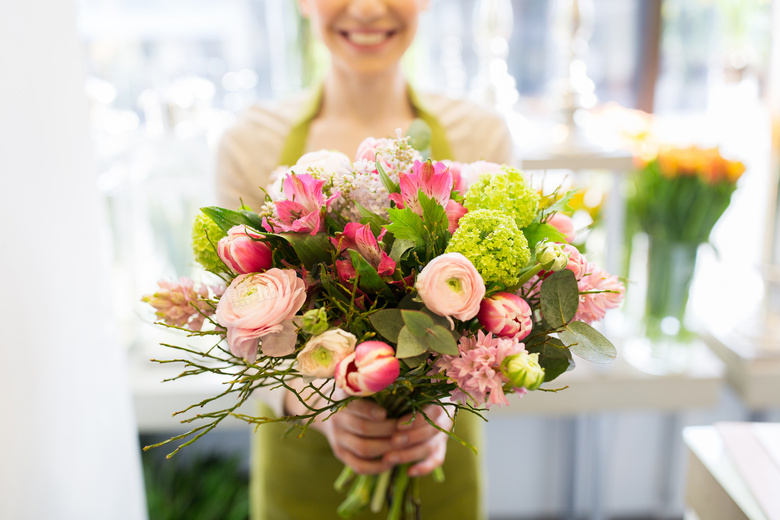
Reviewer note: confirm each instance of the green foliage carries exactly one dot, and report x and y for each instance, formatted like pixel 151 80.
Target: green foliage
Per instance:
pixel 227 218
pixel 420 137
pixel 588 343
pixel 537 232
pixel 207 487
pixel 554 357
pixel 205 236
pixel 560 298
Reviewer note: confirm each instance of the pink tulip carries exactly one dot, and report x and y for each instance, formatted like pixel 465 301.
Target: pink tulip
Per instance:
pixel 370 369
pixel 454 212
pixel 506 315
pixel 360 238
pixel 434 179
pixel 304 207
pixel 243 252
pixel 261 305
pixel 450 285
pixel 577 262
pixel 564 224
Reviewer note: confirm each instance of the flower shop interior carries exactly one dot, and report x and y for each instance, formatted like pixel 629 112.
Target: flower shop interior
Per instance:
pixel 111 112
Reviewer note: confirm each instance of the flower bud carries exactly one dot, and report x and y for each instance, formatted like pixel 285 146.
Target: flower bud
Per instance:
pixel 322 353
pixel 181 303
pixel 524 371
pixel 551 256
pixel 506 315
pixel 315 321
pixel 243 252
pixel 370 369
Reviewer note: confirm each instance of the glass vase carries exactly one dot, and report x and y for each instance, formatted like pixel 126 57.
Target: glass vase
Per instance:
pixel 666 345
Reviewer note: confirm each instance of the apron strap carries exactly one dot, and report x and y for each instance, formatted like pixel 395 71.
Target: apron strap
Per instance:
pixel 295 143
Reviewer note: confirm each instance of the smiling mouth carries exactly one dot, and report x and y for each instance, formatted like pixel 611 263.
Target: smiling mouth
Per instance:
pixel 367 39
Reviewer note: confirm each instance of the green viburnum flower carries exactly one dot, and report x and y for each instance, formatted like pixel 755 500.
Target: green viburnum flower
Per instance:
pixel 206 232
pixel 491 240
pixel 507 191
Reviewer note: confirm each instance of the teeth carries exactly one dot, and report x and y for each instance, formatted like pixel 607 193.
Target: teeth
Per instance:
pixel 366 38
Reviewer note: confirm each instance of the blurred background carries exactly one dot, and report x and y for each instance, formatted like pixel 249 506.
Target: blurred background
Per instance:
pixel 592 90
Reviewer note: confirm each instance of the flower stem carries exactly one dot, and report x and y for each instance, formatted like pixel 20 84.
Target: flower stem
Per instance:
pixel 380 491
pixel 438 475
pixel 358 497
pixel 527 275
pixel 399 492
pixel 343 479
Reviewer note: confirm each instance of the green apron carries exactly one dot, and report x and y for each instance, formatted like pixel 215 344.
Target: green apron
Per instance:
pixel 292 478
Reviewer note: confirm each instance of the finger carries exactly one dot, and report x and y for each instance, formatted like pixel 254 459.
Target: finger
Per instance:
pixel 430 463
pixel 366 409
pixel 408 438
pixel 414 420
pixel 417 452
pixel 362 447
pixel 359 464
pixel 363 427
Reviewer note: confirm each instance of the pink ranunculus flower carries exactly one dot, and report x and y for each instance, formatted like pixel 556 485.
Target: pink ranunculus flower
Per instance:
pixel 244 252
pixel 370 369
pixel 594 305
pixel 325 160
pixel 258 305
pixel 434 179
pixel 577 262
pixel 454 212
pixel 470 172
pixel 506 315
pixel 368 149
pixel 450 286
pixel 564 224
pixel 323 352
pixel 304 207
pixel 360 238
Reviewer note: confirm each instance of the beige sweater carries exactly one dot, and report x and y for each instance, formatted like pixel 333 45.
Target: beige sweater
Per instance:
pixel 250 150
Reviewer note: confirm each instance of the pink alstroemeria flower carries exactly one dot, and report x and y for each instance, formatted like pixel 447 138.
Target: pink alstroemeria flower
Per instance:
pixel 304 207
pixel 434 179
pixel 360 238
pixel 368 370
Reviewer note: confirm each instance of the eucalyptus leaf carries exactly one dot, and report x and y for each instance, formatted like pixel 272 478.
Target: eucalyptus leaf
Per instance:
pixel 420 136
pixel 409 345
pixel 587 343
pixel 440 340
pixel 554 357
pixel 417 322
pixel 416 361
pixel 409 302
pixel 559 298
pixel 388 323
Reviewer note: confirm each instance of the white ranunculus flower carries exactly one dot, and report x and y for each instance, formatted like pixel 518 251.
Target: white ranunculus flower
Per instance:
pixel 323 352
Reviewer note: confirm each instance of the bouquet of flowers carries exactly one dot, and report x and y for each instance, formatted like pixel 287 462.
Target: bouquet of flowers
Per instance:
pixel 679 195
pixel 388 278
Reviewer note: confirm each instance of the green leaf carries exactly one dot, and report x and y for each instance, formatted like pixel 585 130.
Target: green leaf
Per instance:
pixel 554 357
pixel 440 340
pixel 388 323
pixel 409 345
pixel 406 224
pixel 434 216
pixel 369 279
pixel 409 302
pixel 389 185
pixel 311 249
pixel 560 298
pixel 588 343
pixel 400 247
pixel 375 221
pixel 417 322
pixel 416 361
pixel 562 204
pixel 227 218
pixel 438 320
pixel 537 232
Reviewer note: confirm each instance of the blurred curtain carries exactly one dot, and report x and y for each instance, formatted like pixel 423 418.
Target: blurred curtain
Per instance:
pixel 68 442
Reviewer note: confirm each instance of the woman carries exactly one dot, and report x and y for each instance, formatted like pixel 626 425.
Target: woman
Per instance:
pixel 363 94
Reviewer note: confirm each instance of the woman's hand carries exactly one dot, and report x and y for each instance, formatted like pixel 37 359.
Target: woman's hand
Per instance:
pixel 417 440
